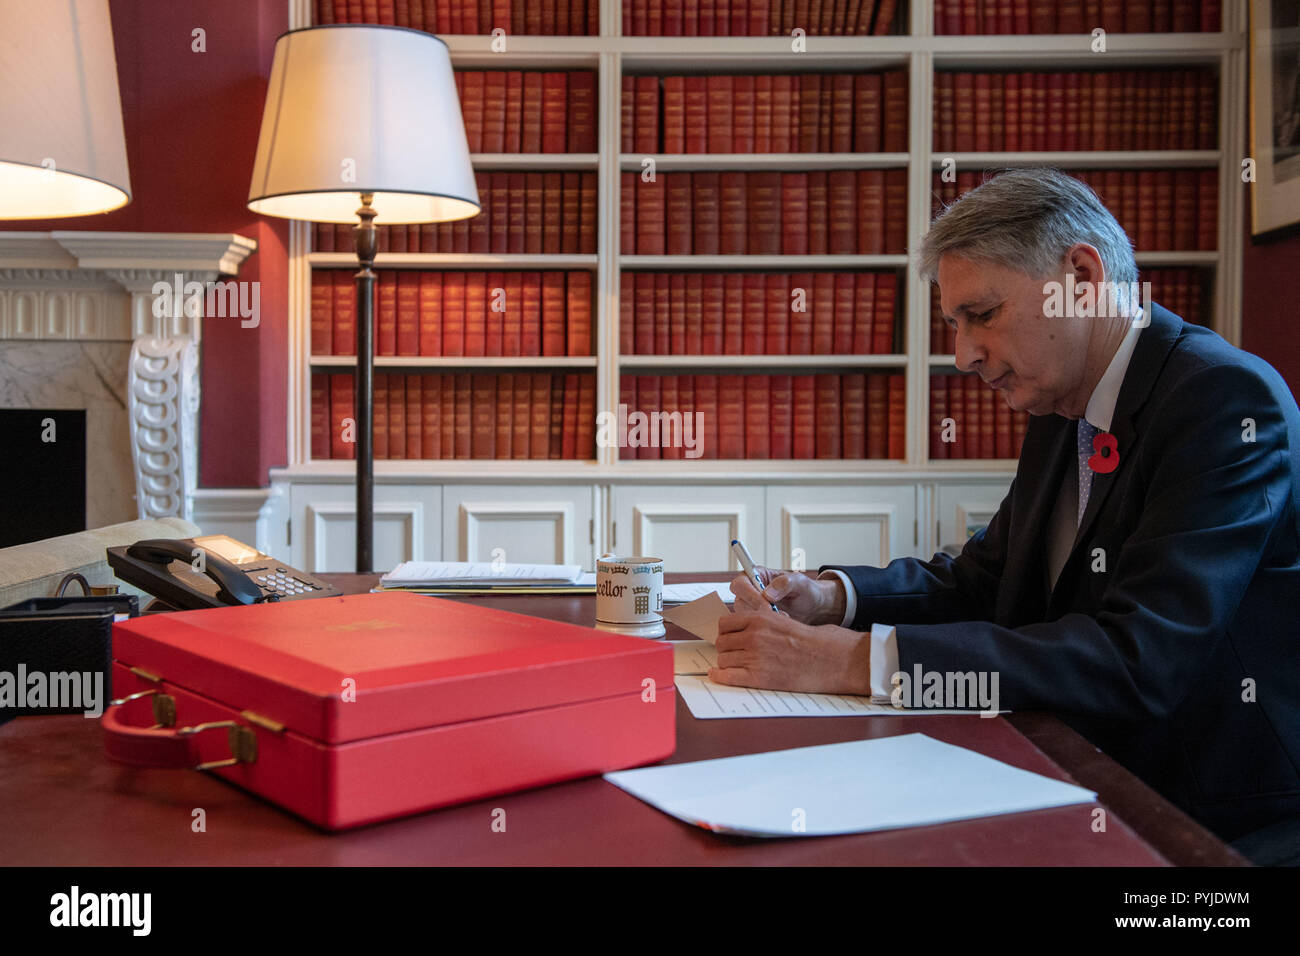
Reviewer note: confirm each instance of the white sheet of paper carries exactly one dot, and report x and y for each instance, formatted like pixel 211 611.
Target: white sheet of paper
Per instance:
pixel 853 787
pixel 681 593
pixel 708 701
pixel 700 616
pixel 693 657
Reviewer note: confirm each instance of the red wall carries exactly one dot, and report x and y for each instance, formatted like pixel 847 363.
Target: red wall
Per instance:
pixel 191 122
pixel 1268 304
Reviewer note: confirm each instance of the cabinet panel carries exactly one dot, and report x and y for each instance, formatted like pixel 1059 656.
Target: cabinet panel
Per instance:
pixel 808 526
pixel 689 526
pixel 407 526
pixel 964 509
pixel 538 524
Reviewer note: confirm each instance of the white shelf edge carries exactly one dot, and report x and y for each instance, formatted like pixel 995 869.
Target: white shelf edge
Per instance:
pixel 784 263
pixel 454 260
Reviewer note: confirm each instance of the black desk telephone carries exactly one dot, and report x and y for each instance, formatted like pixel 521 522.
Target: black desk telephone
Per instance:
pixel 211 571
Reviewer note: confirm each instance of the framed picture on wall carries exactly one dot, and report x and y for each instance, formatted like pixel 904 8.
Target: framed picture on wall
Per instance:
pixel 1275 113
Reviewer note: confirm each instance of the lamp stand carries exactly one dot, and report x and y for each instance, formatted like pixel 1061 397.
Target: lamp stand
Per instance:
pixel 366 244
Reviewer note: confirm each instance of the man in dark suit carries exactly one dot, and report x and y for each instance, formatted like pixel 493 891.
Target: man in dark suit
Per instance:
pixel 1142 576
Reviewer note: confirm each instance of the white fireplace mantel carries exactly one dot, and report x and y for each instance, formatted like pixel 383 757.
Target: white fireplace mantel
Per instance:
pixel 95 291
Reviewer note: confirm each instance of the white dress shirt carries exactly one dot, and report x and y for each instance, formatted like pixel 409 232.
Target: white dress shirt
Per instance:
pixel 1061 532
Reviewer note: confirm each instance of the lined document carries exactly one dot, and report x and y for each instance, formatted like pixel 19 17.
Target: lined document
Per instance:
pixel 708 701
pixel 682 593
pixel 693 657
pixel 442 573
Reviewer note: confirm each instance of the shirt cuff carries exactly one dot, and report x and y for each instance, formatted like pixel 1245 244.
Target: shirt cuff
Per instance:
pixel 850 596
pixel 884 659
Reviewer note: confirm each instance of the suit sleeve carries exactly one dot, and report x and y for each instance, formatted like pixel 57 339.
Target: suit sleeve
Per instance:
pixel 1212 504
pixel 943 589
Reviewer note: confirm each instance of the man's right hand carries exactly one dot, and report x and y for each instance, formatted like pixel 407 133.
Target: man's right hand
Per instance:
pixel 809 600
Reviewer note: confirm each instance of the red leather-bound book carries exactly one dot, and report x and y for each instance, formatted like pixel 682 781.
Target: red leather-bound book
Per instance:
pixel 424 441
pixel 408 313
pixel 712 315
pixel 662 311
pixel 1164 211
pixel 963 91
pixel 877 416
pixel 516 214
pixel 478 233
pixel 764 213
pixel 555 97
pixel 627 115
pixel 447 416
pixel 707 190
pixel 807 106
pixel 733 297
pixel 396 417
pixel 692 310
pixel 758 419
pixel 782 108
pixel 695 115
pixel 762 114
pixel 822 306
pixel 883 314
pixel 883 23
pixel 895 211
pixel 322 237
pixel 582 112
pixel 570 210
pixel 867 103
pixel 553 313
pixel 379 435
pixel 731 416
pixel 569 444
pixel 628 400
pixel 842 239
pixel 320 416
pixel 512 139
pixel 552 213
pixel 1055 111
pixel 1003 437
pixel 1145 237
pixel 483 415
pixel 938 412
pixel 706 403
pixel 677 313
pixel 972 416
pixel 674 114
pixel 842 337
pixel 531 342
pixel 734 228
pixel 627 231
pixel 983 119
pixel 753 314
pixel 870 209
pixel 493 131
pixel 386 314
pixel 707 18
pixel 650 214
pixel 690 18
pixel 678 215
pixel 643 286
pixel 672 18
pixel 818 213
pixel 472 109
pixel 1184 216
pixel 495 304
pixel 647 400
pixel 1042 16
pixel 345 313
pixel 669 441
pixel 1207 200
pixel 587 214
pixel 828 425
pixel 585 444
pixel 988 415
pixel 646 134
pixel 853 402
pixel 533 14
pixel 742 116
pixel 322 313
pixel 342 427
pixel 776 314
pixel 803 439
pixel 863 311
pixel 802 313
pixel 654 17
pixel 780 401
pixel 897 393
pixel 718 90
pixel 943 113
pixel 521 415
pixel 578 288
pixel 475 313
pixel 894 112
pixel 626 314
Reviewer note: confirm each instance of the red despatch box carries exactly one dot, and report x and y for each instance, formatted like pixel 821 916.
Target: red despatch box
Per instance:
pixel 452 702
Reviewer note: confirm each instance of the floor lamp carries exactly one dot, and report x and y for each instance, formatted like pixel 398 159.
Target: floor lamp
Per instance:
pixel 363 116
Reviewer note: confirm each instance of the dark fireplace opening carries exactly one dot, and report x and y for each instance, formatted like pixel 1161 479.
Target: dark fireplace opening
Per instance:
pixel 43 476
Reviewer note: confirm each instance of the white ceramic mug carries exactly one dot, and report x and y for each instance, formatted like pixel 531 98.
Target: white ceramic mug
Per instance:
pixel 630 595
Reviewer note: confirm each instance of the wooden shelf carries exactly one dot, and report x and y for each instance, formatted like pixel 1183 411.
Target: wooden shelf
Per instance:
pixel 784 162
pixel 461 363
pixel 535 162
pixel 775 263
pixel 761 362
pixel 453 260
pixel 1086 159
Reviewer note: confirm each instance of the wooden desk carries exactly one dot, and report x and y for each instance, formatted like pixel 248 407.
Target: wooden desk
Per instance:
pixel 64 803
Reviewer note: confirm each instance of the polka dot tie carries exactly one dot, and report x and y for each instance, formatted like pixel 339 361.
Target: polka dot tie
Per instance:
pixel 1086 433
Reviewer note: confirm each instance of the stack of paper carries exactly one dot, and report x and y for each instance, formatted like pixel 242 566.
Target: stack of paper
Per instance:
pixel 471 576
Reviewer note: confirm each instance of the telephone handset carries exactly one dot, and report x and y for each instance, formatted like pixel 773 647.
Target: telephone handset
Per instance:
pixel 211 571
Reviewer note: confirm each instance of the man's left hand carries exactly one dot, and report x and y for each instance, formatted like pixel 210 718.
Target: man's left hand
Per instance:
pixel 771 650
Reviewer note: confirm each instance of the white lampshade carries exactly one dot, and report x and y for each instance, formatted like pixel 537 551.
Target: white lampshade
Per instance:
pixel 356 109
pixel 62 149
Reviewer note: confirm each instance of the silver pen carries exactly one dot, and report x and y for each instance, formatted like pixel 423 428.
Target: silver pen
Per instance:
pixel 747 563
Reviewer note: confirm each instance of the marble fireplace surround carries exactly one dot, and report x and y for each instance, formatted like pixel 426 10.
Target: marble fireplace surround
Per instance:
pixel 78 330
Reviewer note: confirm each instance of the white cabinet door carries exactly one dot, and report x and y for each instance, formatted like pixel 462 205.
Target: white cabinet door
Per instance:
pixel 964 509
pixel 529 524
pixel 812 525
pixel 689 526
pixel 408 525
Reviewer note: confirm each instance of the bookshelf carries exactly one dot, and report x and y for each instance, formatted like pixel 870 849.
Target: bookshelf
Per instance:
pixel 911 505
